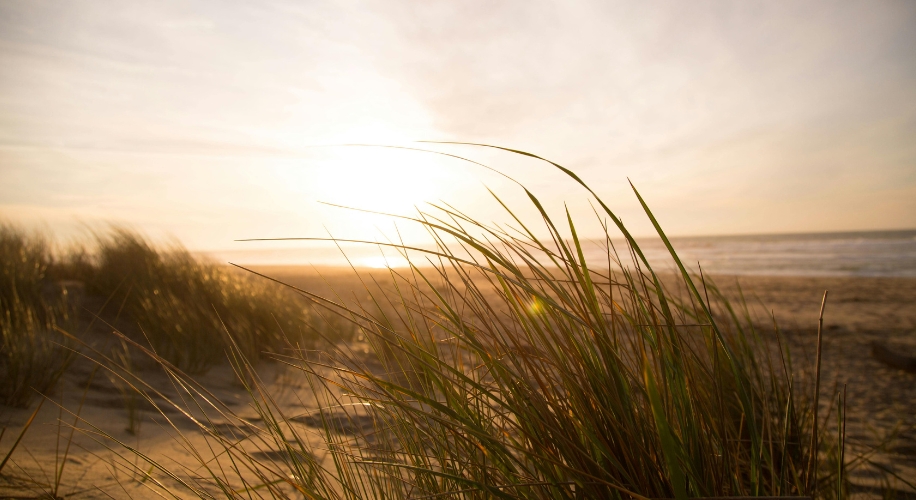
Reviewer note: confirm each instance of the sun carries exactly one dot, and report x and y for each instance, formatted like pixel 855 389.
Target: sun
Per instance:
pixel 377 179
pixel 382 262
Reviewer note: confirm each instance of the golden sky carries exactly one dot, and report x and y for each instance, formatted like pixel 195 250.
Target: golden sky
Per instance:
pixel 214 120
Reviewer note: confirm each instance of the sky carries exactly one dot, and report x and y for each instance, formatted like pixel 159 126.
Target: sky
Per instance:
pixel 212 121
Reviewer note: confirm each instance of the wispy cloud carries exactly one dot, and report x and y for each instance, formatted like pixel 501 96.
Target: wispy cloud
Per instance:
pixel 754 106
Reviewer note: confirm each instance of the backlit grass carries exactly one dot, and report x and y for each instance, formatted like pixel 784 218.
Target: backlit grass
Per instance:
pixel 32 356
pixel 184 306
pixel 513 368
pixel 166 299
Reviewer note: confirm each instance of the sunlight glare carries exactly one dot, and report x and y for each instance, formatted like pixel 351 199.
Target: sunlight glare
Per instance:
pixel 382 262
pixel 378 179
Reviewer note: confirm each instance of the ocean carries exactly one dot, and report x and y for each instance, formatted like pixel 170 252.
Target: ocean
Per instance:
pixel 866 253
pixel 872 253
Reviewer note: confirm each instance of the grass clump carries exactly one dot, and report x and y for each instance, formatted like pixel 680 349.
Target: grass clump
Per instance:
pixel 513 368
pixel 186 307
pixel 32 355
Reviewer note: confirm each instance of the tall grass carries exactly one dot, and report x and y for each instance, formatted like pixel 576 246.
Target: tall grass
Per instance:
pixel 32 356
pixel 513 368
pixel 163 297
pixel 184 305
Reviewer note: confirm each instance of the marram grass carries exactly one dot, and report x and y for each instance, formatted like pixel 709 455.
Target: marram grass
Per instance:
pixel 513 368
pixel 32 355
pixel 179 306
pixel 183 305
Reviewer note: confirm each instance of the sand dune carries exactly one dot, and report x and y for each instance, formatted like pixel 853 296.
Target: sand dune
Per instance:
pixel 859 311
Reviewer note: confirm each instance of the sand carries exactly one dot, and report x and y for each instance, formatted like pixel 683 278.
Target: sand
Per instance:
pixel 859 311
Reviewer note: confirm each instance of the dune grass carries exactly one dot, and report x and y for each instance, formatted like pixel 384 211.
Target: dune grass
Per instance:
pixel 513 368
pixel 164 298
pixel 32 355
pixel 184 306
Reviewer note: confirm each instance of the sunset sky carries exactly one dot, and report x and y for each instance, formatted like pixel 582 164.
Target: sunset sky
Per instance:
pixel 212 121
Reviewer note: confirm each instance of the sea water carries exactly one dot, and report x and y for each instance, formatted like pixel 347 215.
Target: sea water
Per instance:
pixel 872 253
pixel 867 253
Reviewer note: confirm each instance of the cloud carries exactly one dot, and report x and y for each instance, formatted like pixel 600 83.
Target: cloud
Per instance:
pixel 753 105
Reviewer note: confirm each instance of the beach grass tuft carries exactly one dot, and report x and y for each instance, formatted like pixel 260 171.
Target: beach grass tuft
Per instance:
pixel 33 355
pixel 165 298
pixel 184 306
pixel 501 364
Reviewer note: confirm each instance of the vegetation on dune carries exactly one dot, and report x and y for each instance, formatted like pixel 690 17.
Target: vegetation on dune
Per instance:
pixel 180 306
pixel 32 355
pixel 184 307
pixel 513 368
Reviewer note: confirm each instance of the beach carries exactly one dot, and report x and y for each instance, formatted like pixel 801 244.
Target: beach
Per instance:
pixel 859 311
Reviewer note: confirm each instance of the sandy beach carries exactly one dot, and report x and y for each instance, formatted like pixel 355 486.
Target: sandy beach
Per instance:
pixel 859 311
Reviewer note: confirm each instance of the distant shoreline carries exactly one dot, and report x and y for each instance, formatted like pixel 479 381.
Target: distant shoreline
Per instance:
pixel 860 253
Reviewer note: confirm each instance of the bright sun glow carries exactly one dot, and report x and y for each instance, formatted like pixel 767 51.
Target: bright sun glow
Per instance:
pixel 382 262
pixel 377 179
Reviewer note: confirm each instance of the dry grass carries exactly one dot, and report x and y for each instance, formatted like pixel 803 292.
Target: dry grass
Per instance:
pixel 32 354
pixel 184 306
pixel 513 368
pixel 180 306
